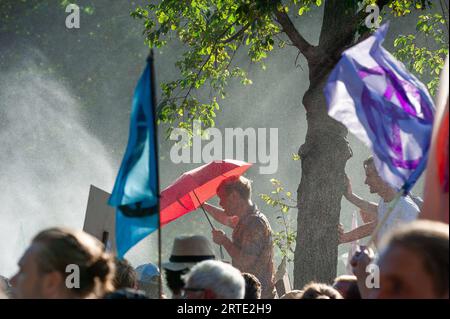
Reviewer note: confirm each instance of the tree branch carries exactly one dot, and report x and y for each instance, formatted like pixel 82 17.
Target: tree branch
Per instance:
pixel 291 31
pixel 237 34
pixel 382 3
pixel 353 26
pixel 197 76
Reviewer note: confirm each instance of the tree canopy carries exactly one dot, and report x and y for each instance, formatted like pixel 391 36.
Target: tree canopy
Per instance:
pixel 213 31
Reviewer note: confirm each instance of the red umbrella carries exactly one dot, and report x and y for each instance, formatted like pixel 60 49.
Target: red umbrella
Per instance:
pixel 195 187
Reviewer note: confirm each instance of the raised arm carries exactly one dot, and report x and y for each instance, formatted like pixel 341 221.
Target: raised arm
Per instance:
pixel 219 215
pixel 362 258
pixel 366 206
pixel 357 233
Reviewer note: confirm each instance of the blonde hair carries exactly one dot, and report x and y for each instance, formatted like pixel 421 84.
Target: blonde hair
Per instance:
pixel 239 184
pixel 62 247
pixel 369 162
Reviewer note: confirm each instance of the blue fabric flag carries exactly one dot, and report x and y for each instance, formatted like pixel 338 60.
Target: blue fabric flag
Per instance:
pixel 386 107
pixel 135 192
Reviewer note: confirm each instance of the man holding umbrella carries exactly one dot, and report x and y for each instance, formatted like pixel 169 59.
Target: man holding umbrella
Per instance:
pixel 251 245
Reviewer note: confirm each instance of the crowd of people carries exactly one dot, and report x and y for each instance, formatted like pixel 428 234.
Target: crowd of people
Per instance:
pixel 412 258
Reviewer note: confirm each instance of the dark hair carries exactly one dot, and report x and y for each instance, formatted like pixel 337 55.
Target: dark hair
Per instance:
pixel 126 293
pixel 353 290
pixel 63 247
pixel 151 289
pixel 125 276
pixel 252 286
pixel 430 241
pixel 320 291
pixel 174 280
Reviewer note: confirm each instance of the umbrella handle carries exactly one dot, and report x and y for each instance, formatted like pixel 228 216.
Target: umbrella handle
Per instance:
pixel 210 223
pixel 207 217
pixel 201 205
pixel 209 220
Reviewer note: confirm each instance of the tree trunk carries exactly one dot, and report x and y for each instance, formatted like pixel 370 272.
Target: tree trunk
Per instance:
pixel 323 158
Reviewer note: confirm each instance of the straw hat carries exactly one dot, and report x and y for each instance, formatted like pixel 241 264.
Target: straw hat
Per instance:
pixel 188 251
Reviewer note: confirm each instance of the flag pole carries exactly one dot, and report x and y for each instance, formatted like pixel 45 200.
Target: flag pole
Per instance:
pixel 402 192
pixel 391 207
pixel 150 60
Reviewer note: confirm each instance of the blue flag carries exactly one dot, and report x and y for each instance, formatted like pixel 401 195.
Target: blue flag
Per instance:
pixel 386 107
pixel 135 193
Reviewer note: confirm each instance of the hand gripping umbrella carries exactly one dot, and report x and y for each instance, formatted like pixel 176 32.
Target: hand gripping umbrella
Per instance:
pixel 195 187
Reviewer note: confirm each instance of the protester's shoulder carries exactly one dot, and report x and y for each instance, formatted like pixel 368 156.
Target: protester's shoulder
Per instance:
pixel 257 219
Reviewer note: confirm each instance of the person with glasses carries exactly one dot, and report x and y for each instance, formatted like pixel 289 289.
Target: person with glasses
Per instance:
pixel 214 279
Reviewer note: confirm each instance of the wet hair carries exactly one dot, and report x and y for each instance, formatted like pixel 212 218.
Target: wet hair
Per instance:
pixel 430 241
pixel 174 280
pixel 320 291
pixel 239 184
pixel 125 276
pixel 252 286
pixel 62 247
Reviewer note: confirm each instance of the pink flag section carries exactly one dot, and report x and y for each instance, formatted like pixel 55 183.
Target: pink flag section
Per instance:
pixel 436 201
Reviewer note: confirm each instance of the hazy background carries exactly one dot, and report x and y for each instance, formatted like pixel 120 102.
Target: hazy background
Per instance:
pixel 65 99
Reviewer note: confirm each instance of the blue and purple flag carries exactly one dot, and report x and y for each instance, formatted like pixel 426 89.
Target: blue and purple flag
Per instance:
pixel 386 107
